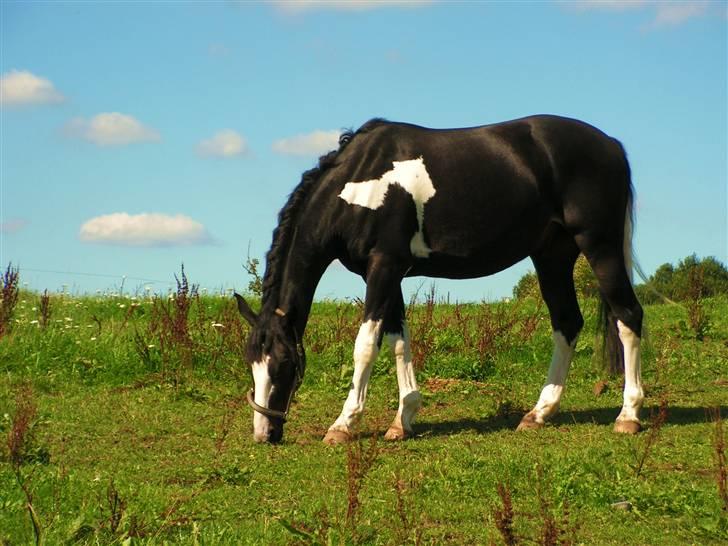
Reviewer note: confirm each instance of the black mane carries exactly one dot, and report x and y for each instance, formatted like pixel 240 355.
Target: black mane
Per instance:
pixel 288 215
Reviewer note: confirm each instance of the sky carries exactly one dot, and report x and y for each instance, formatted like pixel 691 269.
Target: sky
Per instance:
pixel 136 136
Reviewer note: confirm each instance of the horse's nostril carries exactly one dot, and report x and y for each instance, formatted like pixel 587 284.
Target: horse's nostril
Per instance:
pixel 276 435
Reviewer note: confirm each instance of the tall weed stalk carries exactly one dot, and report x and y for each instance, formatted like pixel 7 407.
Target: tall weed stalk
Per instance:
pixel 721 467
pixel 9 294
pixel 20 451
pixel 169 324
pixel 504 515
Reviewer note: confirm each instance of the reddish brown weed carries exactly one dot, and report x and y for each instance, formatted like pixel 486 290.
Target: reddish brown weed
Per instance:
pixel 422 328
pixel 658 420
pixel 698 315
pixel 169 323
pixel 358 463
pixel 19 445
pixel 408 529
pixel 44 306
pixel 10 292
pixel 504 515
pixel 721 467
pixel 555 531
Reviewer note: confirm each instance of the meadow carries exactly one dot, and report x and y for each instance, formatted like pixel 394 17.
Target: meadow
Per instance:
pixel 123 421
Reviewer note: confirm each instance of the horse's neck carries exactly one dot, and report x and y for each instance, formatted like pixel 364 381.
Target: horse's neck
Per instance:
pixel 302 273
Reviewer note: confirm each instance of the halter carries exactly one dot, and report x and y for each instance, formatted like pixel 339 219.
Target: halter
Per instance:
pixel 300 370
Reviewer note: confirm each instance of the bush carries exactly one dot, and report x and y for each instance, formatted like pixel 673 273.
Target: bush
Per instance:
pixel 526 286
pixel 678 283
pixel 584 281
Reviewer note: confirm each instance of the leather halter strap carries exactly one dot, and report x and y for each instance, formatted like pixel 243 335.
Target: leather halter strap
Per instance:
pixel 265 411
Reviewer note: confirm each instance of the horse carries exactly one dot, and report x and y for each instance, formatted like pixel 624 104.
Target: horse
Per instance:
pixel 398 200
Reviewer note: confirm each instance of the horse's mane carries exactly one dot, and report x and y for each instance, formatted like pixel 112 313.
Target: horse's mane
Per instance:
pixel 288 215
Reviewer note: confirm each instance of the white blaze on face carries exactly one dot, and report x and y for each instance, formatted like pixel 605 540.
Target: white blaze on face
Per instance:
pixel 413 177
pixel 263 385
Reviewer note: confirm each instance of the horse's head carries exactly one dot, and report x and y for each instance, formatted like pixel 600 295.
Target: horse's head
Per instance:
pixel 278 362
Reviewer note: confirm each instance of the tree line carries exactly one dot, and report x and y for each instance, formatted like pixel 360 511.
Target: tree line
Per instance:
pixel 691 278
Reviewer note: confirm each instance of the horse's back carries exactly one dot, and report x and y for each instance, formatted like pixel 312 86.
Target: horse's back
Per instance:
pixel 489 192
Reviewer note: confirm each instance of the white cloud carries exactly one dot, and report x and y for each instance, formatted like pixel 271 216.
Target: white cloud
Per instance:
pixel 603 5
pixel 298 6
pixel 315 143
pixel 218 49
pixel 111 129
pixel 664 14
pixel 13 225
pixel 674 13
pixel 226 143
pixel 146 229
pixel 20 88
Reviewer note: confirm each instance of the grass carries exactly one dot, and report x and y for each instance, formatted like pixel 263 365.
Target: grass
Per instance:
pixel 123 420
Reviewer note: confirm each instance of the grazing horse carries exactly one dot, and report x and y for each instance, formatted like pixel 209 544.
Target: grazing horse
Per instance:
pixel 398 200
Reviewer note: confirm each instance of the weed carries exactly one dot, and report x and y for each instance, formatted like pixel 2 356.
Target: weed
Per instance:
pixel 225 426
pixel 554 531
pixel 169 323
pixel 116 507
pixel 504 515
pixel 10 292
pixel 698 316
pixel 44 306
pixel 20 449
pixel 408 529
pixel 255 284
pixel 422 327
pixel 658 420
pixel 358 463
pixel 721 467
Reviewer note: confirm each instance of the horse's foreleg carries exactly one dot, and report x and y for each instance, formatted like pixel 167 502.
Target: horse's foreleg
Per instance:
pixel 555 265
pixel 548 401
pixel 366 349
pixel 410 400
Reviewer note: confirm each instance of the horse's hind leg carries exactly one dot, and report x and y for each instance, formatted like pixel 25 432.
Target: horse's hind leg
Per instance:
pixel 555 267
pixel 410 400
pixel 610 267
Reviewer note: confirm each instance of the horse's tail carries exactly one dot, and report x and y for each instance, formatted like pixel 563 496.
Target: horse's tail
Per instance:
pixel 612 349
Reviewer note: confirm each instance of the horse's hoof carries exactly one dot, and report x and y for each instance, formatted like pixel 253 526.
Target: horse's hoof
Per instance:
pixel 627 427
pixel 529 422
pixel 336 437
pixel 397 433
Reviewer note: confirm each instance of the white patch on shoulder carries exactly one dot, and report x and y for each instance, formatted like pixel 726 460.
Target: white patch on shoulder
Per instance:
pixel 410 175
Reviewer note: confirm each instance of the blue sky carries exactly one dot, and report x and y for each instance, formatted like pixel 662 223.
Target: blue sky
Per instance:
pixel 139 135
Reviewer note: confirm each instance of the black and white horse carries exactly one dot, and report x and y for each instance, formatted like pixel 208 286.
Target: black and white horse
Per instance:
pixel 397 200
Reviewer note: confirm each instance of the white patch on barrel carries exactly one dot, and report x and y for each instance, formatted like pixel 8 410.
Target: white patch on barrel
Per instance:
pixel 413 177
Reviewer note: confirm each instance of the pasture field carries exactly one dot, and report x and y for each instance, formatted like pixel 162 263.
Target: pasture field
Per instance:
pixel 123 421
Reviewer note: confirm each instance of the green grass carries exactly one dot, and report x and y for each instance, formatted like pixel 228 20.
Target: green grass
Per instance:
pixel 141 438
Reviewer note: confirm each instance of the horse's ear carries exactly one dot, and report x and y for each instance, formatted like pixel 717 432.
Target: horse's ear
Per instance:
pixel 245 310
